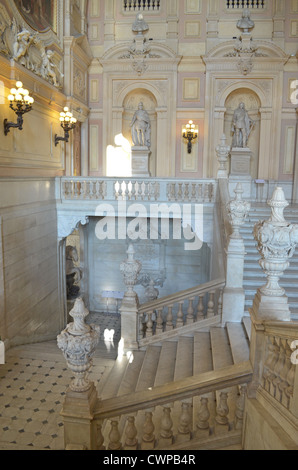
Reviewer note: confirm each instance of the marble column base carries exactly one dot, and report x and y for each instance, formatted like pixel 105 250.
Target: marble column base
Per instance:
pixel 140 161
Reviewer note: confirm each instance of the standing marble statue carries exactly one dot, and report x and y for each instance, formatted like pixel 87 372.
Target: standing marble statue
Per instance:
pixel 242 126
pixel 141 127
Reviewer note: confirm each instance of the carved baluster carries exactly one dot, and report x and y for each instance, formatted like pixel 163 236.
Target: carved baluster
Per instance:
pixel 169 323
pixel 114 437
pixel 186 192
pixel 133 190
pixel 94 190
pixel 131 442
pixel 206 193
pixel 219 302
pixel 190 312
pixel 140 191
pixel 166 433
pixel 159 321
pixel 76 192
pixel 126 190
pixel 277 369
pixel 141 325
pixel 239 413
pixel 222 411
pixel 193 191
pixel 99 437
pixel 210 306
pixel 203 427
pixel 184 427
pixel 200 308
pixel 149 326
pixel 268 364
pixel 200 192
pixel 146 192
pixel 291 374
pixel 148 440
pixel 179 321
pixel 179 195
pixel 283 373
pixel 101 190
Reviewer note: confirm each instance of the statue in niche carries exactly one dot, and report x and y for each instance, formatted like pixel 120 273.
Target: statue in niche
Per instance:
pixel 245 23
pixel 242 126
pixel 72 272
pixel 141 127
pixel 48 67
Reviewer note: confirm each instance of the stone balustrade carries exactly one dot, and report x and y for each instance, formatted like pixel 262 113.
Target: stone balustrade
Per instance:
pixel 132 189
pixel 181 309
pixel 279 371
pixel 158 419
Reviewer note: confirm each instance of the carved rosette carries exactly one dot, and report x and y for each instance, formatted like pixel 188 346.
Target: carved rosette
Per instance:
pixel 276 242
pixel 78 342
pixel 237 210
pixel 222 153
pixel 130 269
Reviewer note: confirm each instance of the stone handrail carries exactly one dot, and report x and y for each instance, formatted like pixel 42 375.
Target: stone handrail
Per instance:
pixel 158 404
pixel 180 309
pixel 135 189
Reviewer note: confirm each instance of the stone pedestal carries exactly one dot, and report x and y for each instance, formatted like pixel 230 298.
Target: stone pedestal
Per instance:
pixel 271 308
pixel 140 161
pixel 129 323
pixel 240 161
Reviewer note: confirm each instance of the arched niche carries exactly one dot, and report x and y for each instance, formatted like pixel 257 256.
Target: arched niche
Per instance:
pixel 252 105
pixel 264 79
pixel 130 105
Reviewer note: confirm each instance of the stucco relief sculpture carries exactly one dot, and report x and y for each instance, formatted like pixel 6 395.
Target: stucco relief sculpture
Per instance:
pixel 29 50
pixel 242 126
pixel 141 127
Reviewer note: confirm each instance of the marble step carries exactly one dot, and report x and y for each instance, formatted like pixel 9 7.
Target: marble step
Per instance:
pixel 149 367
pixel 166 365
pixel 221 351
pixel 184 358
pixel 238 342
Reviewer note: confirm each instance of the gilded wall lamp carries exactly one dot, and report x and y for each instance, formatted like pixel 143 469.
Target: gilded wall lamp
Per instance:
pixel 68 122
pixel 20 102
pixel 190 133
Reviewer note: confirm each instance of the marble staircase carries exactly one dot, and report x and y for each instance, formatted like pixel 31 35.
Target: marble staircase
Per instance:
pixel 186 357
pixel 254 276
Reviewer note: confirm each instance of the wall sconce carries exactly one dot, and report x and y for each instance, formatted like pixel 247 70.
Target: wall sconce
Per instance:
pixel 67 123
pixel 190 133
pixel 20 103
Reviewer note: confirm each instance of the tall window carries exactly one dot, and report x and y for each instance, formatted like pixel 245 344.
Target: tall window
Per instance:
pixel 141 5
pixel 251 4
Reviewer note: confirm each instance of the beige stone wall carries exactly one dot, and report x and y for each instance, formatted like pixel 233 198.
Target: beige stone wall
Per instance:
pixel 262 431
pixel 28 261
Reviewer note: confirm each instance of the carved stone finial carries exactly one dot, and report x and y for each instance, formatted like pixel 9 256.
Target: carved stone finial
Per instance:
pixel 130 269
pixel 222 153
pixel 276 240
pixel 78 342
pixel 238 210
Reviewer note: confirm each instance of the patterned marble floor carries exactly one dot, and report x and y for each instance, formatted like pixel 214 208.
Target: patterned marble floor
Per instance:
pixel 33 382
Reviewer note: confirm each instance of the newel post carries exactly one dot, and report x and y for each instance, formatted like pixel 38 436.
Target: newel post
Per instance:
pixel 276 241
pixel 78 342
pixel 130 268
pixel 234 295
